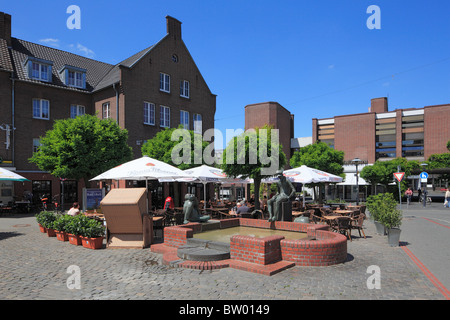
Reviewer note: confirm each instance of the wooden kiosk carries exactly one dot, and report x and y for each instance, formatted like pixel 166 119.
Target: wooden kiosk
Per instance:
pixel 128 223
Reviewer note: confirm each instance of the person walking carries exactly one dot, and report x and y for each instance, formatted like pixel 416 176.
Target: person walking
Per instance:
pixel 447 198
pixel 408 194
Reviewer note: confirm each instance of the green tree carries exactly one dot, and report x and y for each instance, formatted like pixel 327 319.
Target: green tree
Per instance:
pixel 254 154
pixel 161 147
pixel 322 157
pixel 82 148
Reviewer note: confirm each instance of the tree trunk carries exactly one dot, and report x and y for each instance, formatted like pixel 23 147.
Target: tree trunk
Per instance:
pixel 257 184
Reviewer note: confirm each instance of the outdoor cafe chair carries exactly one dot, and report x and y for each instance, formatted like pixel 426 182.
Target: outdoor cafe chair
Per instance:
pixel 343 226
pixel 357 224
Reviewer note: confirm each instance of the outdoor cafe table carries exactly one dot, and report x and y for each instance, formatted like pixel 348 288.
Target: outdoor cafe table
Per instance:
pixel 343 212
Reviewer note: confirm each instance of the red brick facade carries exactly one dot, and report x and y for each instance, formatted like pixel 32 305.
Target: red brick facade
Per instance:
pixel 124 87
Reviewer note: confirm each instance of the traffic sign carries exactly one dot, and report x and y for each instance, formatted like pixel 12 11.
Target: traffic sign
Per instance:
pixel 424 175
pixel 399 176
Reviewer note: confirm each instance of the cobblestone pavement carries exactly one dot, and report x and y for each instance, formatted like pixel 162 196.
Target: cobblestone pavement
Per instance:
pixel 34 266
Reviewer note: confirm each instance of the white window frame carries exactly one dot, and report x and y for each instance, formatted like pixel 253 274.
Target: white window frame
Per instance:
pixel 164 116
pixel 36 144
pixel 164 82
pixel 39 73
pixel 77 110
pixel 75 79
pixel 149 113
pixel 38 109
pixel 106 110
pixel 184 119
pixel 184 88
pixel 198 123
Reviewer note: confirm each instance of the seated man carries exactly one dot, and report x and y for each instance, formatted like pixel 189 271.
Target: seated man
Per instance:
pixel 286 193
pixel 242 208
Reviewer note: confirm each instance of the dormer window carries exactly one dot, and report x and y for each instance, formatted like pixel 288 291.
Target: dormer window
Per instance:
pixel 39 69
pixel 73 76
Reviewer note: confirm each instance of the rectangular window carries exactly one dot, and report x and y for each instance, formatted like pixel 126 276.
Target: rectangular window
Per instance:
pixel 184 89
pixel 164 82
pixel 184 119
pixel 41 109
pixel 39 71
pixel 106 111
pixel 36 144
pixel 75 79
pixel 76 110
pixel 197 123
pixel 164 116
pixel 149 113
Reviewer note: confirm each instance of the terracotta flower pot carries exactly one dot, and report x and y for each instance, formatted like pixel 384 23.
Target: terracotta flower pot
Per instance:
pixel 62 236
pixel 42 229
pixel 92 243
pixel 51 233
pixel 74 239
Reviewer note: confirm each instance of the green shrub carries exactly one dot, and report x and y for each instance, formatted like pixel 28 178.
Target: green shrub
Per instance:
pixel 383 208
pixel 46 219
pixel 62 222
pixel 81 225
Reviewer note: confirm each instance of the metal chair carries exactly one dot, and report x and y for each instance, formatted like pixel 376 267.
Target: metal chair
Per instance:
pixel 343 226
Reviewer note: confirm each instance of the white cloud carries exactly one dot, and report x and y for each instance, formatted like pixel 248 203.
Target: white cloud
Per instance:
pixel 50 42
pixel 85 51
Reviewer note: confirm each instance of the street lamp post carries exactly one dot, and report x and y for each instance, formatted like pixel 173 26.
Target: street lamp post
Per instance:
pixel 356 162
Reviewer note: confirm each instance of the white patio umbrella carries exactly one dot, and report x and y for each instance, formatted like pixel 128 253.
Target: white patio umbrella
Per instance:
pixel 205 174
pixel 5 174
pixel 144 168
pixel 305 174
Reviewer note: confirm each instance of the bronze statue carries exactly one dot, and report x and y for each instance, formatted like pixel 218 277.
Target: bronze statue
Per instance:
pixel 190 210
pixel 286 192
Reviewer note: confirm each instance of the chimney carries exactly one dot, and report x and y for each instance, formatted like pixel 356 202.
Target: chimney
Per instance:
pixel 5 27
pixel 379 105
pixel 173 27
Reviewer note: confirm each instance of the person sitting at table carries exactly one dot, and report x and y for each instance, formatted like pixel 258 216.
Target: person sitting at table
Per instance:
pixel 242 208
pixel 74 210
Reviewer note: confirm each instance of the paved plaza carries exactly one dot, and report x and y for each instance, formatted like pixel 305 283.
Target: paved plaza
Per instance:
pixel 35 267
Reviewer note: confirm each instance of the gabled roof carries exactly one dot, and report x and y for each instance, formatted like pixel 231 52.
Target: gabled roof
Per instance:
pixel 21 50
pixel 5 61
pixel 113 76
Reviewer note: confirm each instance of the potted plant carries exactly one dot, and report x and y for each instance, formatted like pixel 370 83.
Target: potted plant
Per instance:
pixel 391 218
pixel 373 206
pixel 73 230
pixel 39 220
pixel 92 233
pixel 46 219
pixel 61 225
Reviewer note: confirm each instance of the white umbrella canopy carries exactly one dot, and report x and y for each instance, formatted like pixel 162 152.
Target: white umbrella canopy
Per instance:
pixel 5 174
pixel 205 174
pixel 144 168
pixel 306 174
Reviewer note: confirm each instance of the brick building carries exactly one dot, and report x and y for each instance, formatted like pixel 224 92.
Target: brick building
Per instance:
pixel 274 114
pixel 156 88
pixel 380 134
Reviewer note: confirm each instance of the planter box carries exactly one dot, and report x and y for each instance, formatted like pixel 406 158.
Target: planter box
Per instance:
pixel 42 229
pixel 62 236
pixel 75 240
pixel 92 243
pixel 380 228
pixel 51 233
pixel 394 237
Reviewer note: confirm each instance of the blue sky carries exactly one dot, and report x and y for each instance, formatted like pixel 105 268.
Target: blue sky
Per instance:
pixel 317 58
